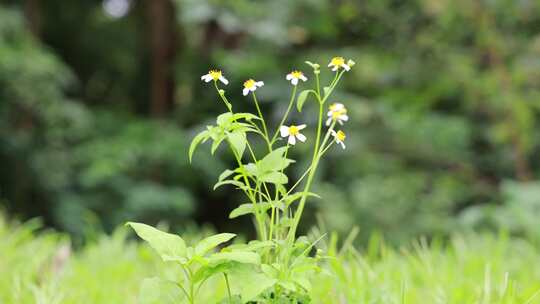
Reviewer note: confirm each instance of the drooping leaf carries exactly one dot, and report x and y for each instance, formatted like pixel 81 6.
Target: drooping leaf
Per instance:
pixel 230 182
pixel 196 141
pixel 217 141
pixel 225 174
pixel 274 177
pixel 205 272
pixel 302 97
pixel 224 119
pixel 170 247
pixel 274 161
pixel 248 209
pixel 246 116
pixel 238 141
pixel 211 242
pixel 296 196
pixel 240 256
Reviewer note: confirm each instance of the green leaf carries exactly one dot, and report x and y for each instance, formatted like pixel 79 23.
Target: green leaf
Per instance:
pixel 206 272
pixel 225 174
pixel 240 256
pixel 246 116
pixel 296 196
pixel 238 141
pixel 274 177
pixel 169 246
pixel 253 283
pixel 159 291
pixel 230 182
pixel 248 209
pixel 217 142
pixel 302 97
pixel 224 119
pixel 274 161
pixel 196 141
pixel 211 242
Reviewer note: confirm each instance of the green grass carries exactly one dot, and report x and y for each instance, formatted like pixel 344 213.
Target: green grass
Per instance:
pixel 36 268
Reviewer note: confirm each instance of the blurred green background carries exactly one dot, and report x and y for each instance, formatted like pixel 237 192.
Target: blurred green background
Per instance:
pixel 100 99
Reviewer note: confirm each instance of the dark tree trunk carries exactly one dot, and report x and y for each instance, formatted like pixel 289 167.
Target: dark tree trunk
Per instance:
pixel 32 12
pixel 162 38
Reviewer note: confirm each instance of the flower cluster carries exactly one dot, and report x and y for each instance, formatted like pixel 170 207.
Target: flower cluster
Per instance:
pixel 337 113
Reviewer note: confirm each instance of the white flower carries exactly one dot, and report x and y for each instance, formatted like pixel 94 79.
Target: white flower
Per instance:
pixel 339 136
pixel 251 85
pixel 294 76
pixel 293 132
pixel 214 75
pixel 337 112
pixel 339 62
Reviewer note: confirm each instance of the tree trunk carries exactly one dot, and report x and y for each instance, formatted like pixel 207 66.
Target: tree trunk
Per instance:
pixel 162 37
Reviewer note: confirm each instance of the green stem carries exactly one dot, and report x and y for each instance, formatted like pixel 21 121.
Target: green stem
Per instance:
pixel 228 287
pixel 313 166
pixel 263 122
pixel 291 102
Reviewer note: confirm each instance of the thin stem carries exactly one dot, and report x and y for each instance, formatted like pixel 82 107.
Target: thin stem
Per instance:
pixel 223 98
pixel 312 171
pixel 291 102
pixel 228 287
pixel 262 120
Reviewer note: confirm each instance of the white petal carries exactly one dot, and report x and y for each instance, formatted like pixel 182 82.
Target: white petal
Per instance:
pixel 329 113
pixel 224 80
pixel 259 83
pixel 301 137
pixel 340 122
pixel 346 67
pixel 304 78
pixel 289 77
pixel 253 88
pixel 203 77
pixel 335 68
pixel 344 117
pixel 300 127
pixel 294 81
pixel 284 130
pixel 245 91
pixel 328 121
pixel 292 140
pixel 330 64
pixel 342 145
pixel 333 133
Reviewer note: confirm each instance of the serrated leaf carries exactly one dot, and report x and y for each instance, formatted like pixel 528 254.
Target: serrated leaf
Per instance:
pixel 204 273
pixel 274 161
pixel 170 247
pixel 248 209
pixel 302 97
pixel 274 177
pixel 238 141
pixel 212 242
pixel 196 141
pixel 246 257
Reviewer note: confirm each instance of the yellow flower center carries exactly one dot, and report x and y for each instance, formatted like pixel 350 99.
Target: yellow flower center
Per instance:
pixel 340 135
pixel 249 84
pixel 215 74
pixel 293 130
pixel 337 113
pixel 338 61
pixel 297 74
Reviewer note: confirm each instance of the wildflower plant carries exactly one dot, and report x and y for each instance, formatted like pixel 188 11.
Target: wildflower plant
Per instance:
pixel 277 266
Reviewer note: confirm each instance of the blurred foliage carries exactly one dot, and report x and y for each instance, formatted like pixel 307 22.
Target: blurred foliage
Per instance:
pixel 42 268
pixel 443 101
